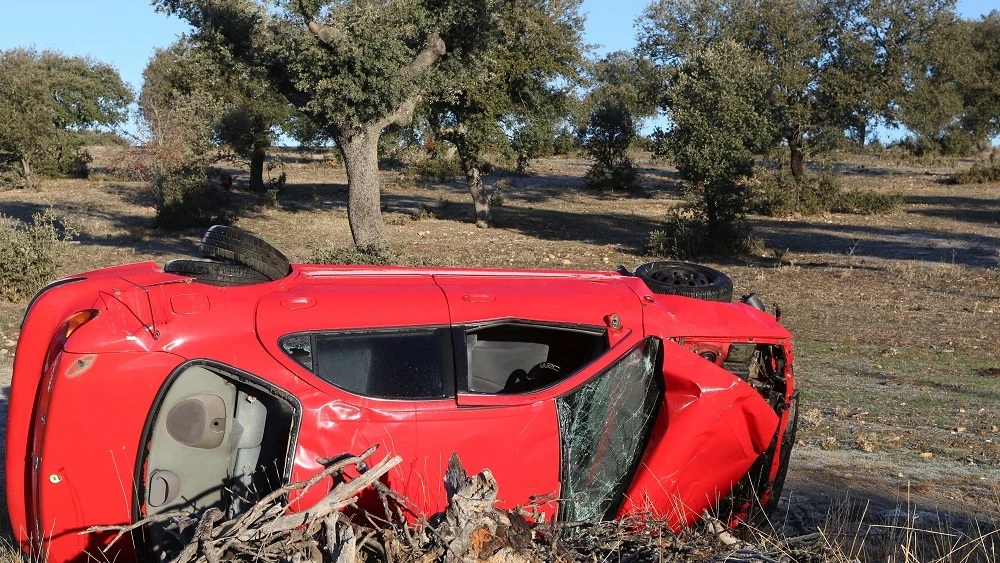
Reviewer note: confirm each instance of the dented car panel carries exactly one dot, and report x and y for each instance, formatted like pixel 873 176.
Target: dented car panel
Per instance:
pixel 579 386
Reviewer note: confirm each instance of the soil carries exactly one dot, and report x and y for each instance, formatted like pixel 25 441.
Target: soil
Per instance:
pixel 896 316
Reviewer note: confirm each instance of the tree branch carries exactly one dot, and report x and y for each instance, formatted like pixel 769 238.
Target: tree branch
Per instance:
pixel 433 49
pixel 403 115
pixel 329 36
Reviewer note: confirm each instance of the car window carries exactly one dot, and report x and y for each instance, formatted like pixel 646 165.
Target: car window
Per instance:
pixel 603 427
pixel 404 364
pixel 521 357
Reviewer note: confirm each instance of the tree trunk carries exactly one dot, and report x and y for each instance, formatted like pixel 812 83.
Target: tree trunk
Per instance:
pixel 27 174
pixel 474 178
pixel 364 209
pixel 798 157
pixel 257 170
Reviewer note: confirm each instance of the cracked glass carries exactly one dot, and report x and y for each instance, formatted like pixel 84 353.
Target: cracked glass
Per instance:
pixel 604 426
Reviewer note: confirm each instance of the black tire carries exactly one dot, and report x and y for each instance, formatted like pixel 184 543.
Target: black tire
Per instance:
pixel 686 279
pixel 235 245
pixel 215 273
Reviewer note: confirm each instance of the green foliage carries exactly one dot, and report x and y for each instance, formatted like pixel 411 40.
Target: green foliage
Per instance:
pixel 511 96
pixel 685 235
pixel 46 100
pixel 607 138
pixel 718 100
pixel 832 66
pixel 438 168
pixel 29 254
pixel 186 198
pixel 369 255
pixel 779 194
pixel 953 106
pixel 980 173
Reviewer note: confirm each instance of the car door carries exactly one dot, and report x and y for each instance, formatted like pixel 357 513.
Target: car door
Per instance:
pixel 521 343
pixel 370 347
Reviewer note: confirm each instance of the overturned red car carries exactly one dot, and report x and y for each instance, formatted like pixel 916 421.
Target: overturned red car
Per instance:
pixel 141 390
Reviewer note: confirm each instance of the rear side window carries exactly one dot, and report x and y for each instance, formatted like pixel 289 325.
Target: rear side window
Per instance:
pixel 411 364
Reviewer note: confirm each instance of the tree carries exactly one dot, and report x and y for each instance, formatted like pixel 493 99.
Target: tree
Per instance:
pixel 623 93
pixel 516 84
pixel 607 137
pixel 834 66
pixel 719 101
pixel 354 68
pixel 248 116
pixel 46 96
pixel 953 102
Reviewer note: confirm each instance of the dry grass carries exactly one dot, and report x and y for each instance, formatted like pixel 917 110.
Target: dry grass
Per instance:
pixel 895 316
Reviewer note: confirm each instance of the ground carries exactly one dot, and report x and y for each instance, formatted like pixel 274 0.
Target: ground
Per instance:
pixel 896 316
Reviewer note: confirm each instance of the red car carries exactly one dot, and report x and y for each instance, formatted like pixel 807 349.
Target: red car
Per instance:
pixel 209 383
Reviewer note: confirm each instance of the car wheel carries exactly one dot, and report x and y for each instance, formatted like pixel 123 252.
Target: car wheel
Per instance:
pixel 686 279
pixel 215 273
pixel 235 245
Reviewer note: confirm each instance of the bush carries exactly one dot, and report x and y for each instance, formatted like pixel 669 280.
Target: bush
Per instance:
pixel 685 235
pixel 185 198
pixel 438 169
pixel 29 254
pixel 371 255
pixel 607 138
pixel 980 173
pixel 779 194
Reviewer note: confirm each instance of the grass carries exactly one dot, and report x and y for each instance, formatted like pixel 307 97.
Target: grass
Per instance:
pixel 895 315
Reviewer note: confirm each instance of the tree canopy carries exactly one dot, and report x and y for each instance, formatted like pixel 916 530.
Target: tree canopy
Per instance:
pixel 519 78
pixel 237 109
pixel 45 97
pixel 834 66
pixel 354 68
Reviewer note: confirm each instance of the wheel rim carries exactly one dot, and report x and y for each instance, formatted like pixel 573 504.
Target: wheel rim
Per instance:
pixel 683 277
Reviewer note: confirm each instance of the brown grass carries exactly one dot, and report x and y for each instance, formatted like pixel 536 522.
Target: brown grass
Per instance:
pixel 896 316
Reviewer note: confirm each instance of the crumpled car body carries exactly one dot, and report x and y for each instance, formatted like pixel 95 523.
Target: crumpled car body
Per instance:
pixel 138 392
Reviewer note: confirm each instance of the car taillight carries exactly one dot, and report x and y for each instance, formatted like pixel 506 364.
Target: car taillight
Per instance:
pixel 69 326
pixel 76 320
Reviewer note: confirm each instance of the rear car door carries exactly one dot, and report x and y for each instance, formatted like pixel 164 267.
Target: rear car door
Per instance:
pixel 372 347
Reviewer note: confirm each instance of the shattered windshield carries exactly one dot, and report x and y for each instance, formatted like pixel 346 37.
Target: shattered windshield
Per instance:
pixel 603 427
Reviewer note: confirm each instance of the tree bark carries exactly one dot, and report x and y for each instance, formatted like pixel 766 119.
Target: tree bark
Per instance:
pixel 798 157
pixel 474 179
pixel 364 210
pixel 257 170
pixel 27 174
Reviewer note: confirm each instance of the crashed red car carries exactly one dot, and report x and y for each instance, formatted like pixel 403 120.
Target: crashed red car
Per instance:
pixel 140 390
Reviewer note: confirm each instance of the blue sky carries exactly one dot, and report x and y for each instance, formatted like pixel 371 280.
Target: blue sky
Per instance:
pixel 125 33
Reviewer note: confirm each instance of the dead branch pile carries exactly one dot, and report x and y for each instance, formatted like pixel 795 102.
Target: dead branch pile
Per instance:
pixel 470 530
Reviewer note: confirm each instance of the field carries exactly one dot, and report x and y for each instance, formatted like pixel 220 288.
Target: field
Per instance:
pixel 896 317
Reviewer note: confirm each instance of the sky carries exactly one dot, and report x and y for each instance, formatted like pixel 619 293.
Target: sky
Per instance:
pixel 126 33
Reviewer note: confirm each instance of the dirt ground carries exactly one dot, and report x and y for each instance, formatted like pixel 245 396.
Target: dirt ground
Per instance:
pixel 896 316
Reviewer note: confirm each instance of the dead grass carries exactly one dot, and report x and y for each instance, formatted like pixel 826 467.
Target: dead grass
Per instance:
pixel 895 316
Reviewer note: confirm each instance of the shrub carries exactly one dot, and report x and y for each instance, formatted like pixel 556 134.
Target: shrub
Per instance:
pixel 779 194
pixel 438 169
pixel 607 138
pixel 185 198
pixel 980 173
pixel 371 255
pixel 29 254
pixel 685 235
